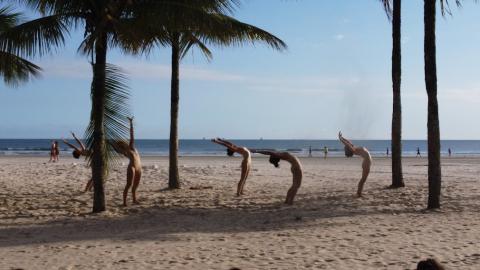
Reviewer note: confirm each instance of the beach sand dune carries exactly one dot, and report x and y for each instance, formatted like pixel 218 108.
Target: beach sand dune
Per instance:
pixel 45 220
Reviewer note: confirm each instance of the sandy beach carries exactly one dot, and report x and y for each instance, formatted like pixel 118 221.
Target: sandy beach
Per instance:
pixel 45 220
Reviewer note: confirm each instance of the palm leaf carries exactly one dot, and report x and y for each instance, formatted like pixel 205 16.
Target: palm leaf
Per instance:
pixel 37 36
pixel 15 69
pixel 387 6
pixel 117 110
pixel 188 40
pixel 224 30
pixel 8 18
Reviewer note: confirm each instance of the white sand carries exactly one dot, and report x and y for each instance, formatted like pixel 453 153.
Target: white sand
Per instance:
pixel 45 220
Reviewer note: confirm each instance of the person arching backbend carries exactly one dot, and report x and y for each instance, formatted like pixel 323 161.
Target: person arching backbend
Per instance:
pixel 351 150
pixel 296 169
pixel 246 162
pixel 134 169
pixel 77 153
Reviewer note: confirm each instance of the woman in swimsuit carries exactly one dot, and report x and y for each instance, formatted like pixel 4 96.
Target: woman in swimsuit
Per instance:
pixel 80 151
pixel 246 162
pixel 134 169
pixel 296 169
pixel 351 150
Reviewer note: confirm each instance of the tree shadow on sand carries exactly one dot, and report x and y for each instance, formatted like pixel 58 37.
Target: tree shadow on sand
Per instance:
pixel 160 223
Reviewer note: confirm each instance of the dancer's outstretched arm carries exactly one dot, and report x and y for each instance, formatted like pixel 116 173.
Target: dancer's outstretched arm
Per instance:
pixel 264 152
pixel 132 138
pixel 78 141
pixel 346 142
pixel 71 145
pixel 227 144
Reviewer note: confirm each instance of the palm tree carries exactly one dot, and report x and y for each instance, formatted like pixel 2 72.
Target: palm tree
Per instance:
pixel 18 39
pixel 107 23
pixel 201 23
pixel 395 15
pixel 433 124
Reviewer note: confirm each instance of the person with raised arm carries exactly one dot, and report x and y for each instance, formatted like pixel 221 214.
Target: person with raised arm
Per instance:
pixel 296 169
pixel 79 151
pixel 351 150
pixel 246 162
pixel 134 169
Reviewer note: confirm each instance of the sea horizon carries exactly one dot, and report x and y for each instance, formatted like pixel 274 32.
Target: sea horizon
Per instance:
pixel 203 147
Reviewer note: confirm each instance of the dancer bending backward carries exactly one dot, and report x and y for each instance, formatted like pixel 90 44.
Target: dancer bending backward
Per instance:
pixel 246 162
pixel 77 153
pixel 296 169
pixel 134 169
pixel 351 150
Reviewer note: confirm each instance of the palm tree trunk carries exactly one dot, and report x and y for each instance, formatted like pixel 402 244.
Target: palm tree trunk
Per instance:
pixel 397 174
pixel 433 125
pixel 99 165
pixel 173 175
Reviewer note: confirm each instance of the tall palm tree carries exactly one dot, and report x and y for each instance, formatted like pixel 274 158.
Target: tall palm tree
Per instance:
pixel 202 23
pixel 395 15
pixel 107 23
pixel 19 39
pixel 433 123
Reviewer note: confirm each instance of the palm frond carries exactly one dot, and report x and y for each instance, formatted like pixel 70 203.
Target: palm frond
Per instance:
pixel 188 40
pixel 117 110
pixel 224 30
pixel 15 69
pixel 8 18
pixel 39 36
pixel 387 6
pixel 445 6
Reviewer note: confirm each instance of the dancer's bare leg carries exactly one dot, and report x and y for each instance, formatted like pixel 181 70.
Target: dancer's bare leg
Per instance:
pixel 297 181
pixel 136 182
pixel 130 176
pixel 89 185
pixel 365 172
pixel 243 178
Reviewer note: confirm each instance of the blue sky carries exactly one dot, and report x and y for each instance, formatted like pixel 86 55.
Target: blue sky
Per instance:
pixel 334 76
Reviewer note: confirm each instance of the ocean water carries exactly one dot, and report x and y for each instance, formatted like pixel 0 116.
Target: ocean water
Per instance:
pixel 41 147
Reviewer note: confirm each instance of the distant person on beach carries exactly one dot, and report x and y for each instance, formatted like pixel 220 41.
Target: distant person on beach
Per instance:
pixel 79 151
pixel 351 150
pixel 429 264
pixel 325 152
pixel 246 162
pixel 54 151
pixel 310 151
pixel 296 169
pixel 418 152
pixel 134 169
pixel 388 152
pixel 449 152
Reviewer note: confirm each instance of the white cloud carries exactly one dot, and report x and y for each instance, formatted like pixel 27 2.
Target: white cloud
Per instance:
pixel 339 37
pixel 80 69
pixel 305 85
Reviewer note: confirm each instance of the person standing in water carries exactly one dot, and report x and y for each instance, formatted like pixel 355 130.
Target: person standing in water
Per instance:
pixel 246 162
pixel 418 152
pixel 351 150
pixel 79 151
pixel 449 152
pixel 310 151
pixel 388 152
pixel 325 152
pixel 134 169
pixel 296 169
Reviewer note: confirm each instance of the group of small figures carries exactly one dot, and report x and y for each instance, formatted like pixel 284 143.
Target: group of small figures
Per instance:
pixel 134 169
